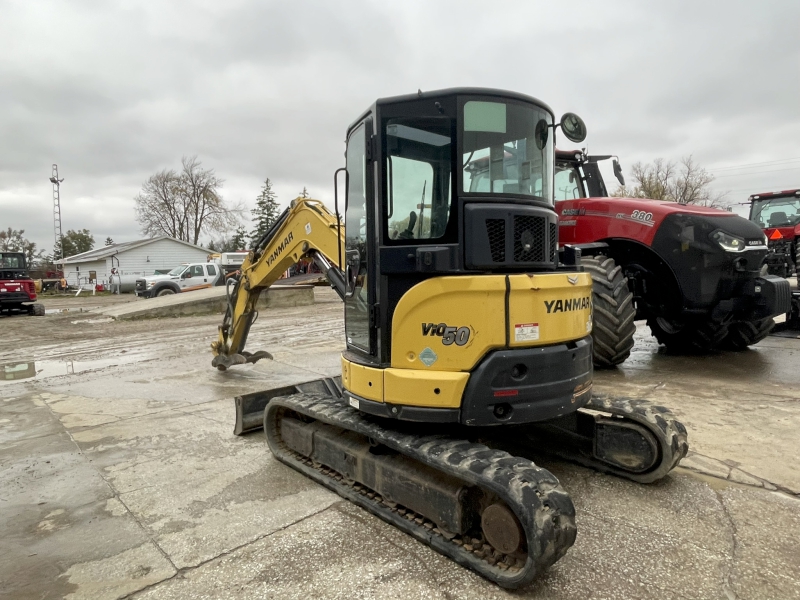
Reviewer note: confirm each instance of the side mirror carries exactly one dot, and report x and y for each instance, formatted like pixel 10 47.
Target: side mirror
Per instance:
pixel 185 275
pixel 618 172
pixel 573 127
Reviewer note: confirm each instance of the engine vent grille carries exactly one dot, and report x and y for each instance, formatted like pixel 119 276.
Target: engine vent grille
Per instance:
pixel 496 230
pixel 529 239
pixel 553 241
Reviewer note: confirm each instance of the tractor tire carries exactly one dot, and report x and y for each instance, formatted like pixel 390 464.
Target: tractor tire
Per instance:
pixel 613 313
pixel 742 334
pixel 692 337
pixel 37 310
pixel 165 292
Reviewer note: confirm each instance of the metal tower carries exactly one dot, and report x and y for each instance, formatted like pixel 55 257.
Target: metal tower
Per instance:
pixel 57 211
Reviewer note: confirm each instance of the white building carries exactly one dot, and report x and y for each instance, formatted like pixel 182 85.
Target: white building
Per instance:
pixel 130 259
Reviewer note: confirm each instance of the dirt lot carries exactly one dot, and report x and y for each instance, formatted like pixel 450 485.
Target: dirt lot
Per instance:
pixel 120 477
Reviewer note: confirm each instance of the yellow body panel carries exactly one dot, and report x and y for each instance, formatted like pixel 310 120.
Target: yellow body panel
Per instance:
pixel 433 389
pixel 419 388
pixel 570 309
pixel 368 381
pixel 438 309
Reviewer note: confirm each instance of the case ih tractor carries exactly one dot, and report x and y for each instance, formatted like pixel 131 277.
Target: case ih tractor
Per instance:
pixel 778 215
pixel 694 273
pixel 17 291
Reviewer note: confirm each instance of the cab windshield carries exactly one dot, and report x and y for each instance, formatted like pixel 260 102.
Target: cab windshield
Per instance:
pixel 507 148
pixel 178 270
pixel 776 212
pixel 12 261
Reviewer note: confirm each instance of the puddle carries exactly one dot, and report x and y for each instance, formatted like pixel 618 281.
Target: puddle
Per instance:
pixel 77 309
pixel 41 369
pixel 98 320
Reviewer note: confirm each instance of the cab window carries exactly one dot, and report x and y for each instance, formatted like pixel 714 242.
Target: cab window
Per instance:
pixel 211 270
pixel 568 183
pixel 418 178
pixel 196 270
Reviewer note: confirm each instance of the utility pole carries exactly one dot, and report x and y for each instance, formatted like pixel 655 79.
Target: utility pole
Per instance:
pixel 59 238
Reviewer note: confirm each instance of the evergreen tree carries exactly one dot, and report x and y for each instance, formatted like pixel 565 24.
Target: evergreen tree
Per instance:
pixel 109 241
pixel 74 242
pixel 212 246
pixel 265 213
pixel 304 193
pixel 239 240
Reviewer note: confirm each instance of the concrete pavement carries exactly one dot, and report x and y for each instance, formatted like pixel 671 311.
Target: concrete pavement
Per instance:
pixel 123 479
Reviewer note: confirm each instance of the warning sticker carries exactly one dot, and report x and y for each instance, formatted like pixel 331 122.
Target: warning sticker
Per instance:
pixel 526 332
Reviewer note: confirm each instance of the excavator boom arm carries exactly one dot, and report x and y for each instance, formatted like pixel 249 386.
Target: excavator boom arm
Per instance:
pixel 305 229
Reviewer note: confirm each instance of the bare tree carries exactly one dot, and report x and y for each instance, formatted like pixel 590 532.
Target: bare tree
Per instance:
pixel 685 183
pixel 184 205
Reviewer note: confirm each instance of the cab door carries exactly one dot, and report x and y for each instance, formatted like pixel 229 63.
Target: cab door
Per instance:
pixel 193 277
pixel 359 239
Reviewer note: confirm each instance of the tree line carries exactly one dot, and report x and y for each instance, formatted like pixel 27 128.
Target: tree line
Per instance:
pixel 684 182
pixel 188 203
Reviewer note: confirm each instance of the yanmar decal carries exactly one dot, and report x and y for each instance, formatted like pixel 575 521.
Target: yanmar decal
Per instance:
pixel 568 304
pixel 279 250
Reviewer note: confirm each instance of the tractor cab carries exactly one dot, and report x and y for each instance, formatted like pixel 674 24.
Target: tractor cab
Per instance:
pixel 778 215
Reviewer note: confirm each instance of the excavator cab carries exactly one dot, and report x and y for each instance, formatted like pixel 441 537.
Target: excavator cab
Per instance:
pixel 461 319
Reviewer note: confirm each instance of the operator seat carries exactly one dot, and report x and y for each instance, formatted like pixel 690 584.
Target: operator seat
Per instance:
pixel 778 218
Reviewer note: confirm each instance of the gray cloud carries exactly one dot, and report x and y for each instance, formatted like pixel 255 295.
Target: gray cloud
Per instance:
pixel 114 91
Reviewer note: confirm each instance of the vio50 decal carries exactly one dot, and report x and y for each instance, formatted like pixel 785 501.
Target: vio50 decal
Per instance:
pixel 450 335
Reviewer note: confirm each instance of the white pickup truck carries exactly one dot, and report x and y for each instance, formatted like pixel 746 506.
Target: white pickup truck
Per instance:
pixel 183 278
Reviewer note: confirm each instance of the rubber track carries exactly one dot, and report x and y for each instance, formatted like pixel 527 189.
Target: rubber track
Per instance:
pixel 670 434
pixel 613 324
pixel 534 494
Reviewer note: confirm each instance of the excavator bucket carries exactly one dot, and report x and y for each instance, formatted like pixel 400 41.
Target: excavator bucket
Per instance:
pixel 250 407
pixel 224 361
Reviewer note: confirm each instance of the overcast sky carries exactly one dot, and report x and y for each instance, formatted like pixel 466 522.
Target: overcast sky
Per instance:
pixel 115 90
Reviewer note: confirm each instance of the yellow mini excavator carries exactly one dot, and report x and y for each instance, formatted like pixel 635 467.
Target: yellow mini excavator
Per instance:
pixel 468 340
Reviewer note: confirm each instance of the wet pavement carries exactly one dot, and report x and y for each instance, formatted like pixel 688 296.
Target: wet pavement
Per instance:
pixel 120 476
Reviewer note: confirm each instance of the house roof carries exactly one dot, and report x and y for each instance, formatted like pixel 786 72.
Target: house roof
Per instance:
pixel 111 250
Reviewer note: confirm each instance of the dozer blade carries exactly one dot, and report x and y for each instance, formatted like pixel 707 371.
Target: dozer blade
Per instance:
pixel 250 407
pixel 224 361
pixel 497 514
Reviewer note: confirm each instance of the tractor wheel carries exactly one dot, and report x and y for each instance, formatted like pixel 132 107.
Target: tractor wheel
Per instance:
pixel 691 337
pixel 742 334
pixel 613 314
pixel 165 292
pixel 37 310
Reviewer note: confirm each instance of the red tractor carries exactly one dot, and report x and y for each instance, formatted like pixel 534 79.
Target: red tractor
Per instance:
pixel 778 215
pixel 694 273
pixel 17 291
